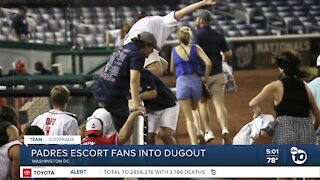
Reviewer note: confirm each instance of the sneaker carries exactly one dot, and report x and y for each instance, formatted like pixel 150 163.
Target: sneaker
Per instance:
pixel 226 138
pixel 208 137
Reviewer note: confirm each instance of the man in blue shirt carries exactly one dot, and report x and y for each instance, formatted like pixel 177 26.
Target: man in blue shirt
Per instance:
pixel 213 43
pixel 121 75
pixel 19 27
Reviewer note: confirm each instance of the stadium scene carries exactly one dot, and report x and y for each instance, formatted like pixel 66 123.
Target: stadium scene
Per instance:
pixel 94 86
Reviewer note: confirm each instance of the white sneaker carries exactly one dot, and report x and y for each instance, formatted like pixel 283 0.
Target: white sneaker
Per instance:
pixel 208 136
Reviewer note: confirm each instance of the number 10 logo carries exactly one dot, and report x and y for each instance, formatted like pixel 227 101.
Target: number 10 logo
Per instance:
pixel 298 156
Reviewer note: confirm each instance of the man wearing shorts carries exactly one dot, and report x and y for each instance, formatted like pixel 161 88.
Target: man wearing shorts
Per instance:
pixel 161 27
pixel 162 106
pixel 213 43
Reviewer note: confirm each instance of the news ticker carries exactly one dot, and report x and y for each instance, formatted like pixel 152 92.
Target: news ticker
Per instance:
pixel 178 155
pixel 167 172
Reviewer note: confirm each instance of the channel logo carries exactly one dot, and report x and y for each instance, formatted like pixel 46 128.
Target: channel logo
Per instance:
pixel 299 156
pixel 27 172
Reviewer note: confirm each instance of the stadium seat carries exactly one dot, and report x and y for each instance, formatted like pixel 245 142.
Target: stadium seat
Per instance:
pixel 298 14
pixel 294 2
pixel 262 3
pixel 261 32
pixel 39 35
pixel 80 41
pixel 3 37
pixel 233 33
pixel 244 32
pixel 5 30
pixel 58 16
pixel 45 17
pixel 100 41
pixel 53 25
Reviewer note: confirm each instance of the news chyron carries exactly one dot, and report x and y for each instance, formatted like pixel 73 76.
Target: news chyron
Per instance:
pixel 66 158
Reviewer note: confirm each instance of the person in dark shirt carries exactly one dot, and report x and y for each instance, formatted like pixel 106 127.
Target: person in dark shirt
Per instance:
pixel 213 44
pixel 19 27
pixel 121 75
pixel 293 101
pixel 41 70
pixel 162 106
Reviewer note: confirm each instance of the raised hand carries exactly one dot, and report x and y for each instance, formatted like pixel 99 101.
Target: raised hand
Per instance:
pixel 210 2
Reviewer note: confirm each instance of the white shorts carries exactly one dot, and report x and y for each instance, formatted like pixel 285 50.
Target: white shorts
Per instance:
pixel 163 118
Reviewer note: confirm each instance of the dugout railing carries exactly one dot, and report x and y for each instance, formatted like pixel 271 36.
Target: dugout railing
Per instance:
pixel 37 90
pixel 30 94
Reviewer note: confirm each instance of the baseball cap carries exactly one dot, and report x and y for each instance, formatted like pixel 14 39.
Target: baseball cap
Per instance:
pixel 318 60
pixel 148 38
pixel 204 14
pixel 105 117
pixel 94 126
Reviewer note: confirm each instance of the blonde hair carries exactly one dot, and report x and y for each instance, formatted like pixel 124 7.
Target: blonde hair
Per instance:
pixel 185 35
pixel 59 95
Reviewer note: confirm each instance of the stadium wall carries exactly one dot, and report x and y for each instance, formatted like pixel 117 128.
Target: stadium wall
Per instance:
pixel 30 53
pixel 255 52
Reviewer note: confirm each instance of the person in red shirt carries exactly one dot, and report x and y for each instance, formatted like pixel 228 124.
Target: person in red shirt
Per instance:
pixel 94 131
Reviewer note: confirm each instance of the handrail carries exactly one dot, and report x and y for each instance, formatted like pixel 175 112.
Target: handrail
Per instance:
pixel 97 67
pixel 79 52
pixel 42 92
pixel 137 137
pixel 4 92
pixel 46 80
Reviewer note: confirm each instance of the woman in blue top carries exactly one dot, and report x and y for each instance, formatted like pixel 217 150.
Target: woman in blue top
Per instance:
pixel 186 65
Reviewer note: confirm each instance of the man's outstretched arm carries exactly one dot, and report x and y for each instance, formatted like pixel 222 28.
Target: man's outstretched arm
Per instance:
pixel 126 130
pixel 179 14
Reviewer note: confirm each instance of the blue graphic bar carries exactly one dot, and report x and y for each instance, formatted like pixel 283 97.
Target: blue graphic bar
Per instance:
pixel 180 155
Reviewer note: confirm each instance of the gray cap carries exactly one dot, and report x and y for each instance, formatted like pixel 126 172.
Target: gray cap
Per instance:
pixel 204 14
pixel 148 38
